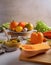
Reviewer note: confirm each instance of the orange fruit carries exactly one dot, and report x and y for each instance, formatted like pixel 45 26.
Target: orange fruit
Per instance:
pixel 29 26
pixel 22 24
pixel 13 25
pixel 19 28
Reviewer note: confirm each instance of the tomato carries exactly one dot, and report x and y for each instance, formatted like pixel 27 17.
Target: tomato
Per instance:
pixel 22 24
pixel 47 34
pixel 36 37
pixel 13 25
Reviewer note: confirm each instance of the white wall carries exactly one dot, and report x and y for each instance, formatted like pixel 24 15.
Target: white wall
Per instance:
pixel 25 10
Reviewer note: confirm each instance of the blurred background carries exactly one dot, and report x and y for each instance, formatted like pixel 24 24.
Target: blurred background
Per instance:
pixel 25 10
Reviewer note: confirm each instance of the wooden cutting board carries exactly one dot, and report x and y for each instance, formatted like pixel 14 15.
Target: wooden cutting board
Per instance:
pixel 42 58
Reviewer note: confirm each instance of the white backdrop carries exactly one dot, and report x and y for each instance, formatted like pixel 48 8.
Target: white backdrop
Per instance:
pixel 25 10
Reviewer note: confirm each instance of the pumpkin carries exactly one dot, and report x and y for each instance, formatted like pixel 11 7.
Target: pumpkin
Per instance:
pixel 27 47
pixel 34 47
pixel 32 50
pixel 36 37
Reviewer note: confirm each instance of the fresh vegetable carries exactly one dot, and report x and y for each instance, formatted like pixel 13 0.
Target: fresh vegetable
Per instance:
pixel 35 47
pixel 6 25
pixel 27 47
pixel 32 50
pixel 47 34
pixel 42 27
pixel 36 37
pixel 29 40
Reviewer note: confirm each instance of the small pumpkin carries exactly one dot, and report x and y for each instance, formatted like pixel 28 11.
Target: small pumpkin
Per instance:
pixel 36 37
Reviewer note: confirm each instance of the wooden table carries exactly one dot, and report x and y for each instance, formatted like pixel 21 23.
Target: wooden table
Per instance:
pixel 42 58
